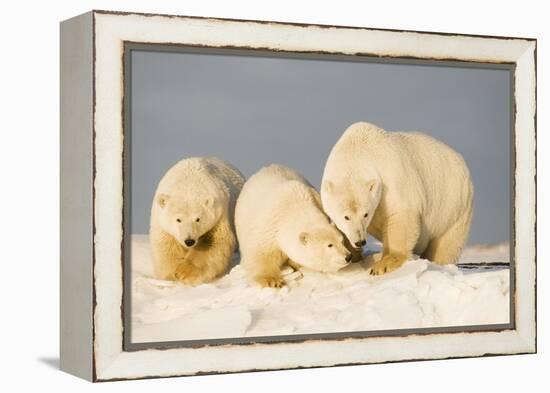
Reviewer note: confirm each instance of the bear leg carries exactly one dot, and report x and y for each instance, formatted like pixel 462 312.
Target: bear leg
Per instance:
pixel 168 254
pixel 264 269
pixel 447 248
pixel 399 239
pixel 209 259
pixel 188 273
pixel 201 267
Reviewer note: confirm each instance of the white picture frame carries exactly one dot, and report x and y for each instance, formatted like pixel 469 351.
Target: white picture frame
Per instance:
pixel 92 189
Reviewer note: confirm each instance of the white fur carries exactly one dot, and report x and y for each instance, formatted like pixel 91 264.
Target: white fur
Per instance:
pixel 279 219
pixel 416 193
pixel 194 201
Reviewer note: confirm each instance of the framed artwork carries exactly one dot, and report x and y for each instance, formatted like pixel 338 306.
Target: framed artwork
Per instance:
pixel 244 195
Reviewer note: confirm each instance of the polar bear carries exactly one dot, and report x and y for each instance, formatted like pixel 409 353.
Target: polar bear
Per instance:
pixel 279 220
pixel 192 230
pixel 407 189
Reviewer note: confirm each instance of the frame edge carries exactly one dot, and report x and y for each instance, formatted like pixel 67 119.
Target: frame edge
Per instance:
pixel 305 24
pixel 115 366
pixel 76 193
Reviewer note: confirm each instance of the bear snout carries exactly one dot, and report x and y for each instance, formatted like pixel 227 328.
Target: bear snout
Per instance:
pixel 360 243
pixel 348 257
pixel 189 242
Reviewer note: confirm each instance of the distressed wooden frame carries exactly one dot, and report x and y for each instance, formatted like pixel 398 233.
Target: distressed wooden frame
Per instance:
pixel 92 189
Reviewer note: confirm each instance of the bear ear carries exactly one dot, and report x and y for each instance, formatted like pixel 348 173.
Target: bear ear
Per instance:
pixel 161 199
pixel 328 186
pixel 304 237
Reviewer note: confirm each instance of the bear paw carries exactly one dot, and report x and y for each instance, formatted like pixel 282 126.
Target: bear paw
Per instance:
pixel 189 274
pixel 387 264
pixel 271 282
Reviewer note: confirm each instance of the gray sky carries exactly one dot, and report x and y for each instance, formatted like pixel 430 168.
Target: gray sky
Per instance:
pixel 254 111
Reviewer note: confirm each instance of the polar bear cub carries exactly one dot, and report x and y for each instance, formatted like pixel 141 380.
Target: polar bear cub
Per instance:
pixel 192 230
pixel 279 220
pixel 407 189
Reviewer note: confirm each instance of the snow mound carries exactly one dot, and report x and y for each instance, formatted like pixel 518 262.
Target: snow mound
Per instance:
pixel 419 295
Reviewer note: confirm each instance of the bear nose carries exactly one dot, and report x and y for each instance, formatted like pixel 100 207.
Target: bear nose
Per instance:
pixel 189 242
pixel 348 257
pixel 360 243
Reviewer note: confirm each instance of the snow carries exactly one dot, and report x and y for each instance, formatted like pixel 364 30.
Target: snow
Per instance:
pixel 418 295
pixel 487 253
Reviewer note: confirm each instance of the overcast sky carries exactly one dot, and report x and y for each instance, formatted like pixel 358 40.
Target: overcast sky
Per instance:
pixel 254 111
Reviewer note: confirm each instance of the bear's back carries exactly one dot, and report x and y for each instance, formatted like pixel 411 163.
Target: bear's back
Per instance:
pixel 230 174
pixel 273 188
pixel 281 174
pixel 231 177
pixel 360 142
pixel 440 167
pixel 272 182
pixel 182 175
pixel 201 171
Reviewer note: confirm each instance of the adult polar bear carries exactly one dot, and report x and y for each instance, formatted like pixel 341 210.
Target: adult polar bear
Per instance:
pixel 406 189
pixel 192 233
pixel 279 219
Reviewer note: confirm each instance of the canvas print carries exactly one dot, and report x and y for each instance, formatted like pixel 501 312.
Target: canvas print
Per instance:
pixel 278 196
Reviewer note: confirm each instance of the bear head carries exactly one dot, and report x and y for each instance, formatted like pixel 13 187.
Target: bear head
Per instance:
pixel 188 217
pixel 319 247
pixel 351 204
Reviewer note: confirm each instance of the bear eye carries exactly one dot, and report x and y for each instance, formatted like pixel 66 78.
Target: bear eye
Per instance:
pixel 347 218
pixel 366 215
pixel 330 245
pixel 197 220
pixel 178 220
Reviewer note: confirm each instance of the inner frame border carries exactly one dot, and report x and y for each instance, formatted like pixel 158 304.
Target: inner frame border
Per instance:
pixel 129 46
